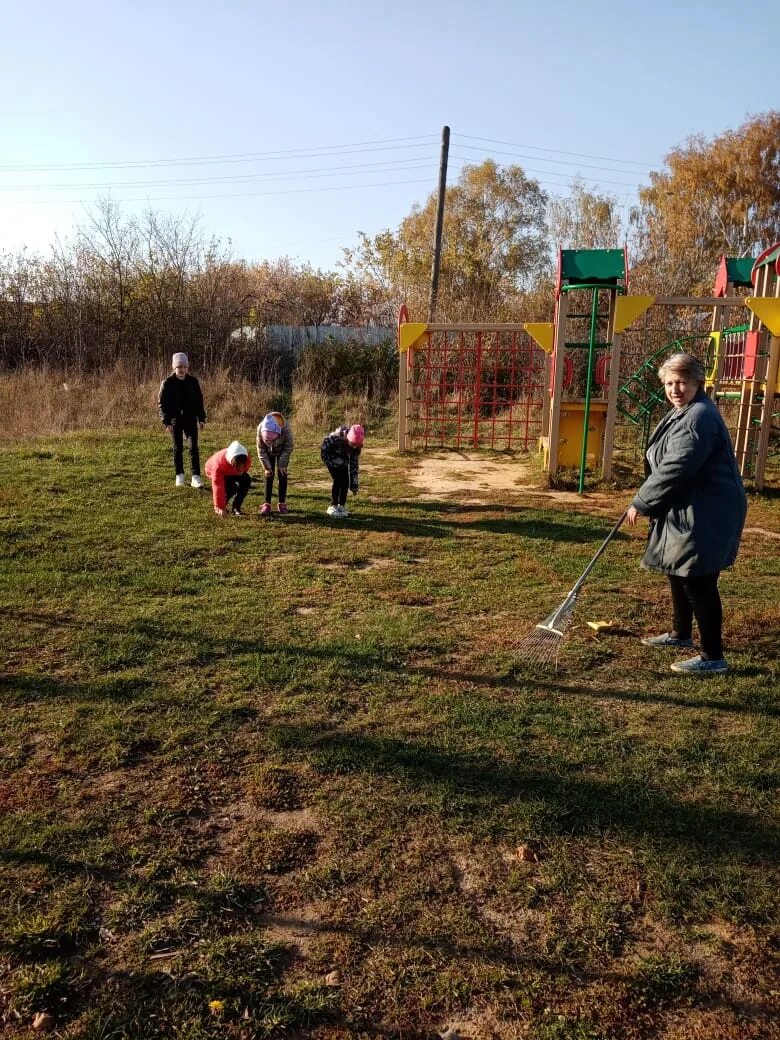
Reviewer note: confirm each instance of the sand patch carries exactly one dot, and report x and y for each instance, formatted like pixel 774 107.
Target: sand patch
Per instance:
pixel 448 473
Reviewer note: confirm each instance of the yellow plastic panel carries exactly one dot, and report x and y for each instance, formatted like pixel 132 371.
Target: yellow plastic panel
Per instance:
pixel 409 333
pixel 541 332
pixel 629 308
pixel 767 310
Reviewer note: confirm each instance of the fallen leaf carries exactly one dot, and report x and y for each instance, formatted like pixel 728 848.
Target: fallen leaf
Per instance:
pixel 333 978
pixel 527 854
pixel 43 1022
pixel 600 626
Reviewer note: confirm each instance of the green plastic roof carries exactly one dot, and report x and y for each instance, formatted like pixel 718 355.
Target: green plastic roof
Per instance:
pixel 738 269
pixel 606 266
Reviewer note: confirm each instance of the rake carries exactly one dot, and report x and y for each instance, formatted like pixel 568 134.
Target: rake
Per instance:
pixel 543 643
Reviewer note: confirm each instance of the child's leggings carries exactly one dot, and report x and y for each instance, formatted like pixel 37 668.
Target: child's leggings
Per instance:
pixel 178 434
pixel 238 486
pixel 338 494
pixel 269 483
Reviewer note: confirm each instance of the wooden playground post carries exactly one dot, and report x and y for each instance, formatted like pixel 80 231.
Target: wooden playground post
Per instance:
pixel 403 397
pixel 615 338
pixel 555 410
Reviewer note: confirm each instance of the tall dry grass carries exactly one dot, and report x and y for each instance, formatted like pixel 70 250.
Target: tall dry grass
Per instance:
pixel 46 402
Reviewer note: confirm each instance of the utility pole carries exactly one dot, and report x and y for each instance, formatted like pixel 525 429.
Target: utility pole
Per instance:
pixel 445 150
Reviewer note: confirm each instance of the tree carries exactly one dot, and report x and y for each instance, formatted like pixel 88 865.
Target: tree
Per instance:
pixel 585 220
pixel 494 245
pixel 714 197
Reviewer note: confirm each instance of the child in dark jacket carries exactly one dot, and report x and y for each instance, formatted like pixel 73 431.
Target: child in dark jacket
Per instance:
pixel 274 448
pixel 180 406
pixel 228 471
pixel 340 452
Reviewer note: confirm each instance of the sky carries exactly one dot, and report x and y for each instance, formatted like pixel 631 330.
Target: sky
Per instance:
pixel 287 128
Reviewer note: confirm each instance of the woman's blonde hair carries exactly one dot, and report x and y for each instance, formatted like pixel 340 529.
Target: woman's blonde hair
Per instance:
pixel 685 365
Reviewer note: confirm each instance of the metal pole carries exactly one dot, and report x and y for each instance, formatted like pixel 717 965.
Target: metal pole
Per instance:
pixel 445 149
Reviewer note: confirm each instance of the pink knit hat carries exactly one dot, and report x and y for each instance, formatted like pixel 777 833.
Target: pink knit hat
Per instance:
pixel 355 436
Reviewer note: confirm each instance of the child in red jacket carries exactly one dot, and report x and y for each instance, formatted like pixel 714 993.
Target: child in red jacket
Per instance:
pixel 228 472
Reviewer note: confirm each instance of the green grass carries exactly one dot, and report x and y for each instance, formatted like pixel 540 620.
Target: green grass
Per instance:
pixel 237 757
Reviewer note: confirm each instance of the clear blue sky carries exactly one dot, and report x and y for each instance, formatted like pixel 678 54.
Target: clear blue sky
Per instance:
pixel 133 83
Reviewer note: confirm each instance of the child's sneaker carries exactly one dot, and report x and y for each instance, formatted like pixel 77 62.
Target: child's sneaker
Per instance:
pixel 343 512
pixel 237 512
pixel 265 509
pixel 282 508
pixel 667 639
pixel 196 481
pixel 700 666
pixel 333 511
pixel 181 480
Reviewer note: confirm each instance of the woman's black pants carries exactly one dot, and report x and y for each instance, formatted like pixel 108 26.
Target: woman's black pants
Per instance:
pixel 338 494
pixel 191 433
pixel 238 486
pixel 269 483
pixel 698 598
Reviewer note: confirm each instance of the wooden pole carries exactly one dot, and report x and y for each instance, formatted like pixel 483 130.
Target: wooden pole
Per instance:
pixel 445 150
pixel 555 411
pixel 615 338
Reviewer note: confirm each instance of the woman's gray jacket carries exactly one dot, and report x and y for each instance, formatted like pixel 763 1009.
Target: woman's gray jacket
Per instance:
pixel 693 493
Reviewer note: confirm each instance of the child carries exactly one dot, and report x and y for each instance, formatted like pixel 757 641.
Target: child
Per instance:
pixel 180 405
pixel 340 452
pixel 228 472
pixel 274 448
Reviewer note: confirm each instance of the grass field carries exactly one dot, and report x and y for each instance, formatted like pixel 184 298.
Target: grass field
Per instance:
pixel 286 778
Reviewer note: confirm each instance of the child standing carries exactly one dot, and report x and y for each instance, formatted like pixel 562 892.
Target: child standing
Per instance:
pixel 274 448
pixel 340 452
pixel 180 406
pixel 228 471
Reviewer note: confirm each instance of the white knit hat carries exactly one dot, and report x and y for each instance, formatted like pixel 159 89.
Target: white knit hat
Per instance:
pixel 235 448
pixel 180 359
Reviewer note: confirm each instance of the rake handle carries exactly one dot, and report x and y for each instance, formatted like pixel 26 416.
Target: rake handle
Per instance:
pixel 599 552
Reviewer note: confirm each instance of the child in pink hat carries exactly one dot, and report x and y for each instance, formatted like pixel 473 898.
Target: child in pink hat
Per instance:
pixel 340 452
pixel 274 448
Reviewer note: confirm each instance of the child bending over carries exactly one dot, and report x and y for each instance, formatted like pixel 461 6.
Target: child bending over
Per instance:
pixel 274 448
pixel 228 472
pixel 340 452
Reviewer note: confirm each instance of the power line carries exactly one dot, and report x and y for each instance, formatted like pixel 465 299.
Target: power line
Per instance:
pixel 321 151
pixel 537 158
pixel 232 195
pixel 410 163
pixel 558 151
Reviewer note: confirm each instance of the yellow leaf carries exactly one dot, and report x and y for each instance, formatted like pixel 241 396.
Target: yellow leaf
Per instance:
pixel 599 626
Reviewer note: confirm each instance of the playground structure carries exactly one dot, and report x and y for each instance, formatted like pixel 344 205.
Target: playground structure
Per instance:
pixel 568 386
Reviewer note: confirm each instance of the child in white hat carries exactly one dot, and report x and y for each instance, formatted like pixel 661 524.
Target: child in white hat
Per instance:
pixel 274 448
pixel 228 471
pixel 180 406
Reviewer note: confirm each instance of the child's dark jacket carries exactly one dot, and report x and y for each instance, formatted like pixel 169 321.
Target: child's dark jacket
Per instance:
pixel 180 402
pixel 337 453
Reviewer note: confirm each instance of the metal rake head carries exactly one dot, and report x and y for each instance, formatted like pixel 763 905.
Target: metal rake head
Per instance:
pixel 542 644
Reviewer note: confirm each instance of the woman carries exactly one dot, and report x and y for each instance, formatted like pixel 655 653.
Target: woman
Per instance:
pixel 694 497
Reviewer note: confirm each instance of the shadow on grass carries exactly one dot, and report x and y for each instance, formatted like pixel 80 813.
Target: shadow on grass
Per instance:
pixel 36 687
pixel 573 804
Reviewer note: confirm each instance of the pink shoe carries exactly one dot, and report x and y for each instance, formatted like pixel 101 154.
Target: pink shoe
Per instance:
pixel 265 509
pixel 282 507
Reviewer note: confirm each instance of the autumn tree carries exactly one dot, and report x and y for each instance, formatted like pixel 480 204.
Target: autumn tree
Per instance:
pixel 714 197
pixel 585 220
pixel 494 245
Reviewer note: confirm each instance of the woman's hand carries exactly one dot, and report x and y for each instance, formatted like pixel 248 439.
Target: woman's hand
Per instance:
pixel 267 473
pixel 632 514
pixel 282 472
pixel 220 512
